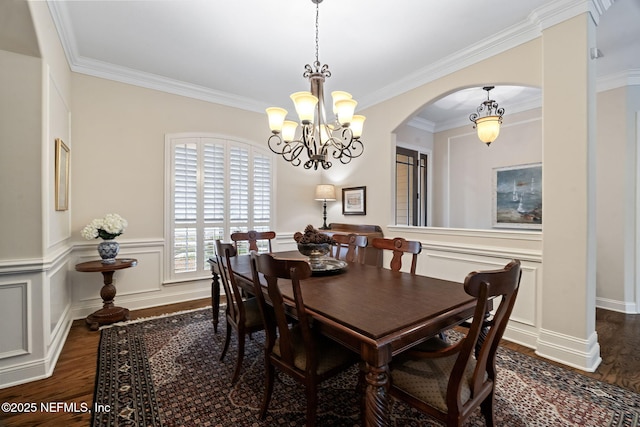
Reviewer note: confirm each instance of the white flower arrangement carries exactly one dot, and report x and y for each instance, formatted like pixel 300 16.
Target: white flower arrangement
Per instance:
pixel 107 228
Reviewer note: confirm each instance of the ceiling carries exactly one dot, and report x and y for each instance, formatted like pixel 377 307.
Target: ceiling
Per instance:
pixel 251 53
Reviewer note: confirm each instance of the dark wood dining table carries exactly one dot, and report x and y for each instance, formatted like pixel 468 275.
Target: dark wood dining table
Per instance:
pixel 376 312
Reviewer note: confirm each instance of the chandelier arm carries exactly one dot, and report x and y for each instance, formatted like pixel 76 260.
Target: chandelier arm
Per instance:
pixel 290 151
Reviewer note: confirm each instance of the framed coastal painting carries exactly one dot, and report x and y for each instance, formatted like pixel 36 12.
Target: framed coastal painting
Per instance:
pixel 354 201
pixel 517 197
pixel 62 176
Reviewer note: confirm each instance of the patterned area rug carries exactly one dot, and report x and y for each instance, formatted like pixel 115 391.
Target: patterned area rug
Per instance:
pixel 165 372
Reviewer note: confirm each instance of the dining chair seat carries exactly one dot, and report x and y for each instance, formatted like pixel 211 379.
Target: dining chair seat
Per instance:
pixel 330 356
pixel 427 379
pixel 253 318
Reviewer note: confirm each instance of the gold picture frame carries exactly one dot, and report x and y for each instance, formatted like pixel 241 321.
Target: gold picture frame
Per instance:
pixel 62 175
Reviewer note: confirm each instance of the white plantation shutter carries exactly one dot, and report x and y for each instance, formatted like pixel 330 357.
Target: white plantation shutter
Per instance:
pixel 239 185
pixel 213 196
pixel 214 182
pixel 186 178
pixel 185 207
pixel 261 190
pixel 219 186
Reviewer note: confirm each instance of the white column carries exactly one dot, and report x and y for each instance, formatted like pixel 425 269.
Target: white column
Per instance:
pixel 569 245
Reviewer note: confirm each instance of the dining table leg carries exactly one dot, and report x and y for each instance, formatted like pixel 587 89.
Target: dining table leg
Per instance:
pixel 376 399
pixel 215 294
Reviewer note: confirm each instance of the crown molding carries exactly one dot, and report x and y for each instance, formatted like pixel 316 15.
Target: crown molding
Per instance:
pixel 539 19
pixel 622 79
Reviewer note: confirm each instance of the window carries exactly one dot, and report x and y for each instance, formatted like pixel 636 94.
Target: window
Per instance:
pixel 217 186
pixel 411 187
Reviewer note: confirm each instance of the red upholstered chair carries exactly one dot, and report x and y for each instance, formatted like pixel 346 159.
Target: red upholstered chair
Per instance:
pixel 349 247
pixel 399 246
pixel 450 383
pixel 242 315
pixel 252 237
pixel 298 351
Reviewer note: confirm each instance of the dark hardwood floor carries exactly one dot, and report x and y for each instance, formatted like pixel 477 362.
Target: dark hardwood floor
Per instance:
pixel 73 378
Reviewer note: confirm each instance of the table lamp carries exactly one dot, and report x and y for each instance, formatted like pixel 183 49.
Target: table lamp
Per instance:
pixel 325 192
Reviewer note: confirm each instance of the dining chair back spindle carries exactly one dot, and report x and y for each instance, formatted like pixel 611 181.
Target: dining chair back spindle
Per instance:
pixel 450 383
pixel 350 247
pixel 298 350
pixel 252 237
pixel 243 315
pixel 399 247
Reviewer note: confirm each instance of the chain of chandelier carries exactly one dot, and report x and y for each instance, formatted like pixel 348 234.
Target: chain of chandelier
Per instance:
pixel 318 141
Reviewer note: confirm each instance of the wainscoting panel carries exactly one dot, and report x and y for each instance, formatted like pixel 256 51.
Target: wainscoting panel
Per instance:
pixel 15 318
pixel 59 295
pixel 451 266
pixel 136 287
pixel 144 277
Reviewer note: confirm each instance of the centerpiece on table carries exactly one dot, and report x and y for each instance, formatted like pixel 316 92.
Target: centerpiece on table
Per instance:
pixel 314 244
pixel 107 228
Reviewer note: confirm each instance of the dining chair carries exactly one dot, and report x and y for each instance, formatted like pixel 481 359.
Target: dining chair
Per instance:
pixel 297 350
pixel 349 247
pixel 243 315
pixel 252 238
pixel 399 246
pixel 450 383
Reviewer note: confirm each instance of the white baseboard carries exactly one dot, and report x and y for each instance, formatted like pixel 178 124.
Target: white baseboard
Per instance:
pixel 144 300
pixel 619 306
pixel 565 349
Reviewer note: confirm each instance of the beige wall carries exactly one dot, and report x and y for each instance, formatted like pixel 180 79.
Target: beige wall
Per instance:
pixel 119 133
pixel 463 187
pixel 20 134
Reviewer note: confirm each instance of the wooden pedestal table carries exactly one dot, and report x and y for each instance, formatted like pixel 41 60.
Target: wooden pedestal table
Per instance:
pixel 109 313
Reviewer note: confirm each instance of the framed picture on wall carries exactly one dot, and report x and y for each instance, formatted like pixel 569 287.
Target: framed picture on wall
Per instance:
pixel 62 176
pixel 354 201
pixel 517 197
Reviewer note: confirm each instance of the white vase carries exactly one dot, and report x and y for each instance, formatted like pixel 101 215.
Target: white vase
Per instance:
pixel 108 250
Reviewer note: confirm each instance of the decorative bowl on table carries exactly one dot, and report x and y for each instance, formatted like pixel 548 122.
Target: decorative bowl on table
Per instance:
pixel 316 253
pixel 315 245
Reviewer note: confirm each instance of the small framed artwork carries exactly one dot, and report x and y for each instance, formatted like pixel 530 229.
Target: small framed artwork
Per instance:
pixel 62 176
pixel 354 201
pixel 517 197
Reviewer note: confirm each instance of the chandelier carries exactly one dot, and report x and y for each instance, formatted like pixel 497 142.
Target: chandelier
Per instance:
pixel 488 126
pixel 319 139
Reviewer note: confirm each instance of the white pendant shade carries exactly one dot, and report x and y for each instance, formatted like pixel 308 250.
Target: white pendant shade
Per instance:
pixel 289 130
pixel 488 128
pixel 338 95
pixel 305 104
pixel 345 109
pixel 276 118
pixel 357 124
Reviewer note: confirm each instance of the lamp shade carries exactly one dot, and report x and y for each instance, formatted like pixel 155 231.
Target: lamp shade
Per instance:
pixel 488 128
pixel 289 130
pixel 345 109
pixel 325 192
pixel 276 118
pixel 339 95
pixel 305 104
pixel 357 125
